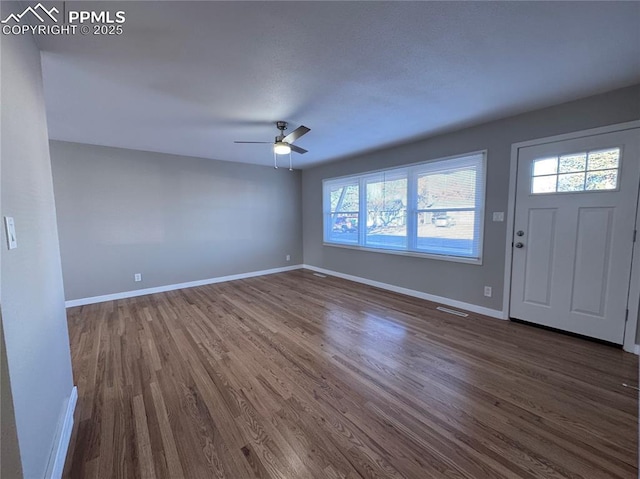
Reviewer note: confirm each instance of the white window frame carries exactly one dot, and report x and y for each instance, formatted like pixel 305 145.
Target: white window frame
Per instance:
pixel 411 171
pixel 585 171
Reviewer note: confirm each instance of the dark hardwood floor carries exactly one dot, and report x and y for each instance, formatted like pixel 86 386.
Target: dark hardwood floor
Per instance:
pixel 296 376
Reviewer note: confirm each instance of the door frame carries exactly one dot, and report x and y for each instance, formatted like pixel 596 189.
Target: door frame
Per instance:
pixel 633 301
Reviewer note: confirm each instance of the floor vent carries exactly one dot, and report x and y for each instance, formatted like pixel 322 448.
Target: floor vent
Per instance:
pixel 452 311
pixel 320 275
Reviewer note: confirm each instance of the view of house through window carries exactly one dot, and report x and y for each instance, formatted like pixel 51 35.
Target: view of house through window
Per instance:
pixel 432 208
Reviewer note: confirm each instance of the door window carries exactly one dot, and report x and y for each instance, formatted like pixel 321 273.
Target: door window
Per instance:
pixel 595 170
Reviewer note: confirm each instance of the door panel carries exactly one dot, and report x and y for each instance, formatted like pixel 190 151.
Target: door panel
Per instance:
pixel 539 256
pixel 592 261
pixel 575 207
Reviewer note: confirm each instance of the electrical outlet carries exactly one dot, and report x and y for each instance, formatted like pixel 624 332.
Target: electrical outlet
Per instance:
pixel 137 277
pixel 288 257
pixel 487 291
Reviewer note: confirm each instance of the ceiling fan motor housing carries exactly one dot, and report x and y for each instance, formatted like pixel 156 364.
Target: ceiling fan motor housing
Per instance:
pixel 282 125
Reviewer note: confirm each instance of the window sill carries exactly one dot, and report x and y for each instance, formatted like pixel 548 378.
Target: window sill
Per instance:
pixel 440 257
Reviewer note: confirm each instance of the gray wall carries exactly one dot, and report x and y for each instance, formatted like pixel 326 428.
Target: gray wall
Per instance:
pixel 33 312
pixel 10 466
pixel 457 281
pixel 171 218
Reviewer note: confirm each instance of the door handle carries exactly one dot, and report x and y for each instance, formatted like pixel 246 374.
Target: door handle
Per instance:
pixel 519 245
pixel 520 233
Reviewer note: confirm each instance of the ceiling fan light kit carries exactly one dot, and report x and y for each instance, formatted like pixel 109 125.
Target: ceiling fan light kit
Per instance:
pixel 283 145
pixel 281 148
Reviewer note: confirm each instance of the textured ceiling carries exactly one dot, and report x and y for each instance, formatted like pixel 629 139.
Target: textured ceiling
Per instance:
pixel 190 77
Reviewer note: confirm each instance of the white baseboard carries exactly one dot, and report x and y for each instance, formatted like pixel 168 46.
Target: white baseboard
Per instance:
pixel 636 350
pixel 171 287
pixel 494 313
pixel 58 455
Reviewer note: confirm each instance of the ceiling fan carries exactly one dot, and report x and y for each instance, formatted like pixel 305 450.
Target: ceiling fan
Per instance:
pixel 283 145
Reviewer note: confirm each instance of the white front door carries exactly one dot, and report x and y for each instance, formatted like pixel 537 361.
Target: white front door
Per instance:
pixel 574 231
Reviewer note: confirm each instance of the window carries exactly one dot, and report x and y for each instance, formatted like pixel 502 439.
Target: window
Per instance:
pixel 584 171
pixel 433 209
pixel 344 211
pixel 386 213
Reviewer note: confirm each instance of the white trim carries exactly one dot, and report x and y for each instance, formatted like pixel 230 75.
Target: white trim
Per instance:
pixel 58 455
pixel 636 350
pixel 400 252
pixel 355 176
pixel 629 125
pixel 630 329
pixel 629 341
pixel 511 213
pixel 494 313
pixel 172 287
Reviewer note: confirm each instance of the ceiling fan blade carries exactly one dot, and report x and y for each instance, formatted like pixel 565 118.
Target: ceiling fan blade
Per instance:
pixel 295 134
pixel 253 141
pixel 297 149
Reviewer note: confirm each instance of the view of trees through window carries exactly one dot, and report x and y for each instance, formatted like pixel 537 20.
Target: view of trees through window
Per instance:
pixel 432 208
pixel 345 206
pixel 387 212
pixel 585 171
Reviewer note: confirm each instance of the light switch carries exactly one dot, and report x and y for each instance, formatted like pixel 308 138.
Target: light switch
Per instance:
pixel 498 216
pixel 10 228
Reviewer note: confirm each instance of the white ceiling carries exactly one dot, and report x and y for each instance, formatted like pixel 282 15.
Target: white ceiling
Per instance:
pixel 190 77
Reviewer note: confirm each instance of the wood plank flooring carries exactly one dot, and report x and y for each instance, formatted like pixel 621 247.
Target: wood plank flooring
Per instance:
pixel 296 376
